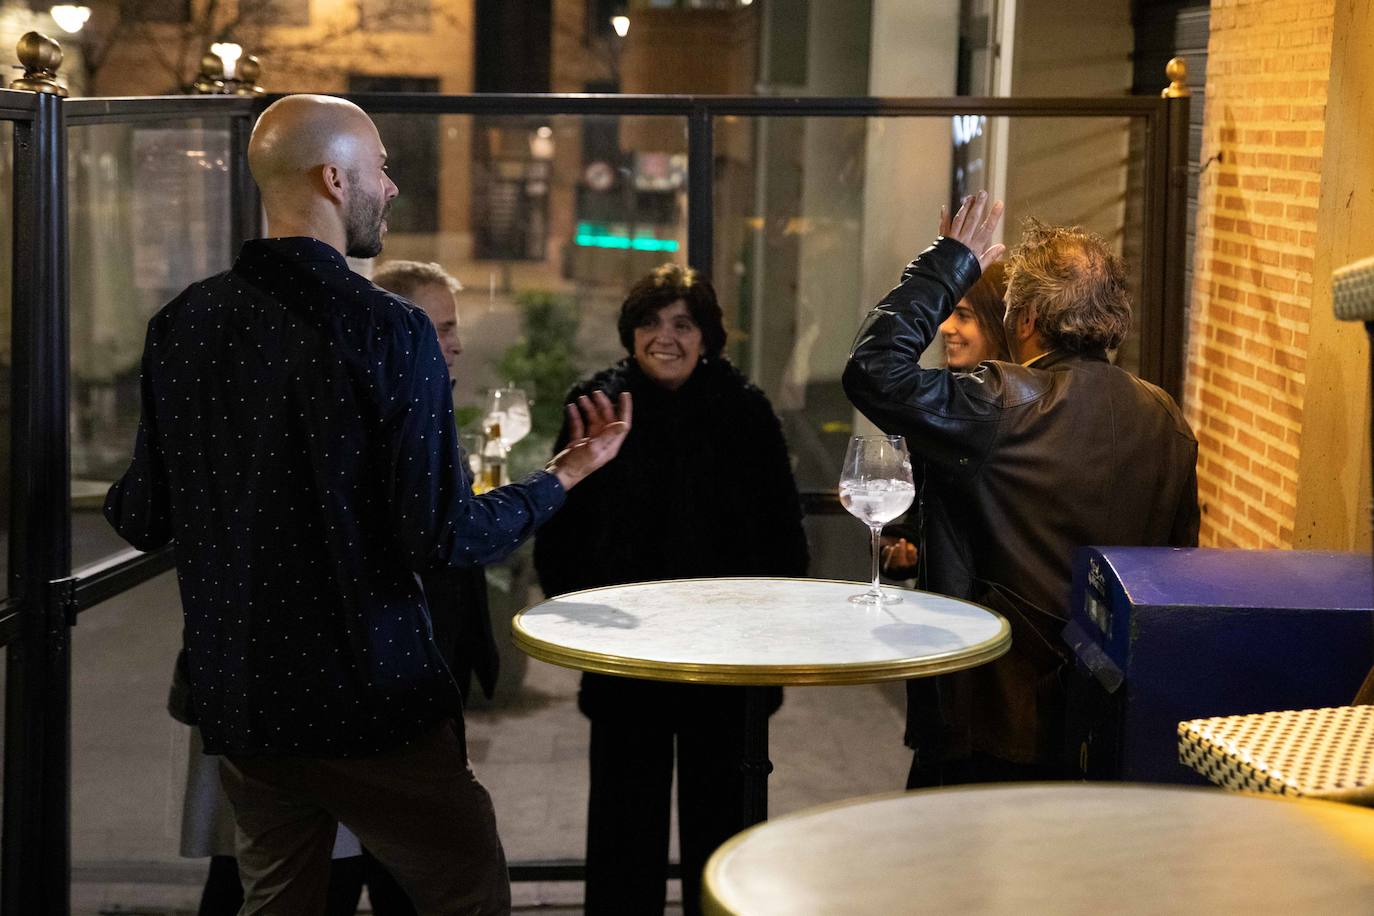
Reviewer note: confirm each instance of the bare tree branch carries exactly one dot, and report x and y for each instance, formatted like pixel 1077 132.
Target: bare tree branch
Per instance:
pixel 175 49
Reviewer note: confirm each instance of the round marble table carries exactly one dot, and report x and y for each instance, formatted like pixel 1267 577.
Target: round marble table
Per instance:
pixel 758 632
pixel 1067 848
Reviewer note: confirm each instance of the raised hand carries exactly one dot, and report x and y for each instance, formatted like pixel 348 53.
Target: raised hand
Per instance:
pixel 597 429
pixel 973 226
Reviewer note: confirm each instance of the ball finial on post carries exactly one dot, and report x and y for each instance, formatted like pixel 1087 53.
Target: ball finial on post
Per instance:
pixel 249 71
pixel 210 81
pixel 1177 71
pixel 41 56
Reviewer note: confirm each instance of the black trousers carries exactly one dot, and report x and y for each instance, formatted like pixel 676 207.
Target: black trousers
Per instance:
pixel 419 809
pixel 629 809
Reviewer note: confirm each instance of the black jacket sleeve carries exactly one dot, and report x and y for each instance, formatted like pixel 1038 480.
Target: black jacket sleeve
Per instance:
pixel 1188 518
pixel 434 517
pixel 950 418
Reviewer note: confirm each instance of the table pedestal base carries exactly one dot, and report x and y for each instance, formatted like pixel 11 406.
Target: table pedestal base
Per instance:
pixel 756 765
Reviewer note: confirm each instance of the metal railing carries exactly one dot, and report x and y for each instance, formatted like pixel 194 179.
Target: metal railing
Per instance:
pixel 46 594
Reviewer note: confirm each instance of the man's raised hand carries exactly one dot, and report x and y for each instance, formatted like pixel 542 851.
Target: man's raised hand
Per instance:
pixel 973 226
pixel 596 430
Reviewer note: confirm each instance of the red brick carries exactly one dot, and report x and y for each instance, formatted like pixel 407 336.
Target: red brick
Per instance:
pixel 1302 212
pixel 1298 262
pixel 1267 376
pixel 1278 283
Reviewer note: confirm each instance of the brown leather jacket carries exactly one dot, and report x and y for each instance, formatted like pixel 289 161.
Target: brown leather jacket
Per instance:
pixel 1035 462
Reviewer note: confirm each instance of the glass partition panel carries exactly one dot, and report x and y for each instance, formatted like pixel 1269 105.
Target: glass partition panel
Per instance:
pixel 546 221
pixel 130 760
pixel 816 217
pixel 149 213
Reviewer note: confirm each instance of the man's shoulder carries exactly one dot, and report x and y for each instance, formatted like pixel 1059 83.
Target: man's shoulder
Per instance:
pixel 1006 384
pixel 387 309
pixel 1104 378
pixel 1164 402
pixel 202 294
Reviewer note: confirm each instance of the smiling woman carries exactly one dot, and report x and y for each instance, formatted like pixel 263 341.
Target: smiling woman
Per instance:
pixel 670 323
pixel 702 488
pixel 973 332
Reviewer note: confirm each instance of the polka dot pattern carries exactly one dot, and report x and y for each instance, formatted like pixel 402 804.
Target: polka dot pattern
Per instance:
pixel 297 446
pixel 1318 753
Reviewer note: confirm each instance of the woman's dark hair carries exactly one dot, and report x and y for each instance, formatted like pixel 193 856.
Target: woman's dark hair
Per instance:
pixel 988 299
pixel 663 287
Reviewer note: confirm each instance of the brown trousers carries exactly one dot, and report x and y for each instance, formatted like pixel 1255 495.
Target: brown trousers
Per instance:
pixel 419 809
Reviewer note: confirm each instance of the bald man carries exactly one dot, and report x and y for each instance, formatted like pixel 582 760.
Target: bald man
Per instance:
pixel 297 447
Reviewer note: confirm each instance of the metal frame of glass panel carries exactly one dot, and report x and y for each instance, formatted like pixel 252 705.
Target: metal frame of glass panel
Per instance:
pixel 46 594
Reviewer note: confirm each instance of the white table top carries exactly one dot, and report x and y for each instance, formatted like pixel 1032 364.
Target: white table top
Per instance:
pixel 758 631
pixel 1066 848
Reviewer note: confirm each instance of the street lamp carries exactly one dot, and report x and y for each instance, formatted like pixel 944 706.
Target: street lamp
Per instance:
pixel 70 17
pixel 229 52
pixel 621 24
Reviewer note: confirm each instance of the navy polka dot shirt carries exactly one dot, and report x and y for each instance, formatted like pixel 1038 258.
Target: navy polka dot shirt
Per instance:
pixel 297 446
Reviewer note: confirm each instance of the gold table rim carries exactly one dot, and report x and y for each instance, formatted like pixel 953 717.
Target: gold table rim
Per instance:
pixel 712 905
pixel 847 673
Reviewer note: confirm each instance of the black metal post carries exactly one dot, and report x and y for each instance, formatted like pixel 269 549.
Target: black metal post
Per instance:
pixel 701 181
pixel 756 765
pixel 245 203
pixel 36 844
pixel 1154 254
pixel 1172 331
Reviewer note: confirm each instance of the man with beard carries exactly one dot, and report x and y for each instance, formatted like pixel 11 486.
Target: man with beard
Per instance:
pixel 297 445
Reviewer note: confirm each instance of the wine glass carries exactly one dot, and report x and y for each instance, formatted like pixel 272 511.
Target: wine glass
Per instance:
pixel 876 487
pixel 508 415
pixel 470 444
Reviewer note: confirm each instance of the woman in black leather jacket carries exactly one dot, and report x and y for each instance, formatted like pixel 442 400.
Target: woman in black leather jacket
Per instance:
pixel 702 487
pixel 932 548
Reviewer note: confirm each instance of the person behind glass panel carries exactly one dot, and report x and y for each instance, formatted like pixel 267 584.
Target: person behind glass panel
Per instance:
pixel 435 291
pixel 972 334
pixel 457 597
pixel 703 488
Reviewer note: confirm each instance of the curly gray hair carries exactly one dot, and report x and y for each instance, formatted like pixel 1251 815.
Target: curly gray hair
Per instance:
pixel 404 277
pixel 1076 285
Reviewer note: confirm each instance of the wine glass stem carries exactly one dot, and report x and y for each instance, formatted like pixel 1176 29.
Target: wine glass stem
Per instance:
pixel 877 534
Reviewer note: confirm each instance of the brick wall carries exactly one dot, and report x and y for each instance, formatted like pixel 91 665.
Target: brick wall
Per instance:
pixel 1268 65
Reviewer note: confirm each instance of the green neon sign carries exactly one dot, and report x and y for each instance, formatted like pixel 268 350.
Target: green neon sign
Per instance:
pixel 598 235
